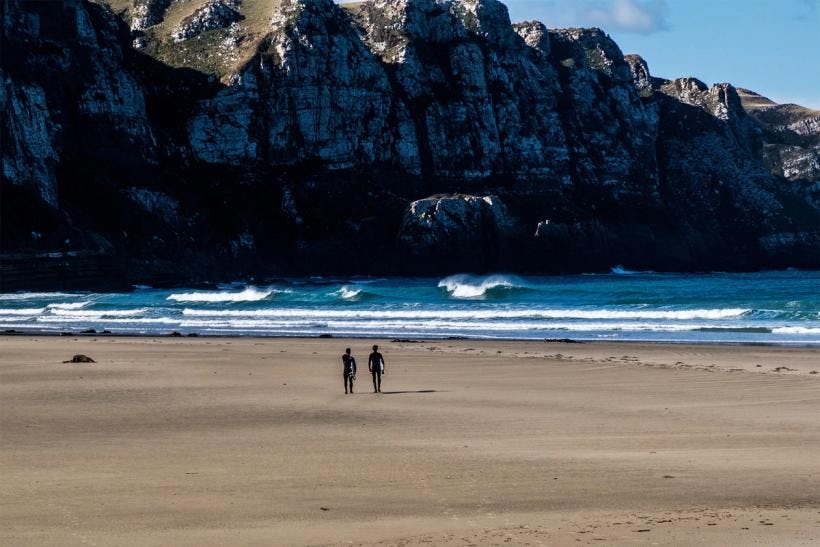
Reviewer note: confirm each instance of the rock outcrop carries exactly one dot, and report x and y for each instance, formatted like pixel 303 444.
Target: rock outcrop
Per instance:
pixel 317 147
pixel 535 35
pixel 791 136
pixel 640 74
pixel 445 230
pixel 147 13
pixel 438 221
pixel 213 15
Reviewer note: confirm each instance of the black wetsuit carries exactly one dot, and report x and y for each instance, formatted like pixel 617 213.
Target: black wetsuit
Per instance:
pixel 375 364
pixel 348 371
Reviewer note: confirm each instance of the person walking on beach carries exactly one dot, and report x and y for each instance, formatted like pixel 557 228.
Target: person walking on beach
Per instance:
pixel 348 370
pixel 376 366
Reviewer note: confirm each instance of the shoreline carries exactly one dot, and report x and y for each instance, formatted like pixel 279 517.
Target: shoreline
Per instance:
pixel 781 359
pixel 569 341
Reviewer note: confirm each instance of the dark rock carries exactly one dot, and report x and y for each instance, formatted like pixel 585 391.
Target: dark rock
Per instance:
pixel 447 229
pixel 88 331
pixel 175 334
pixel 325 335
pixel 562 341
pixel 640 74
pixel 80 358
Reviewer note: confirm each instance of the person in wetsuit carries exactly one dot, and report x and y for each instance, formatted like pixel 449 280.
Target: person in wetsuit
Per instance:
pixel 375 365
pixel 348 370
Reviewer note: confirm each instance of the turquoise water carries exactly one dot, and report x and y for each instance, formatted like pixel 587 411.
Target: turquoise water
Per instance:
pixel 779 307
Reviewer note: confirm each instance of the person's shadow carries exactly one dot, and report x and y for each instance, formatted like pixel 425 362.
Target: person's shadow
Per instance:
pixel 400 392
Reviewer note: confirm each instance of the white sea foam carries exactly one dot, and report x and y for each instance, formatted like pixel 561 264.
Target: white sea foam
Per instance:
pixel 13 318
pixel 68 306
pixel 22 311
pixel 249 294
pixel 34 295
pixel 72 314
pixel 473 287
pixel 602 314
pixel 453 327
pixel 109 320
pixel 796 330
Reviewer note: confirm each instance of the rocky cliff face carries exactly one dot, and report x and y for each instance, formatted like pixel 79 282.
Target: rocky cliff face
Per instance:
pixel 791 137
pixel 315 138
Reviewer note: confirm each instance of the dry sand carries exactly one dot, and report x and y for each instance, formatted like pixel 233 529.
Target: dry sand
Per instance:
pixel 246 441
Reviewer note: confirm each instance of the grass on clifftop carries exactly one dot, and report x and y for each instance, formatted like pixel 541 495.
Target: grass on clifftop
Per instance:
pixel 208 52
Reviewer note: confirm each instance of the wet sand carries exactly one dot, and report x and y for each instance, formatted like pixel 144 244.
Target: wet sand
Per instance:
pixel 200 441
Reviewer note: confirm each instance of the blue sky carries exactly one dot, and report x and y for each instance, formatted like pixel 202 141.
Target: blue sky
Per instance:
pixel 769 46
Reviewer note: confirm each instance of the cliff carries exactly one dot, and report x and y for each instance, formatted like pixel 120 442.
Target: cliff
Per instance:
pixel 167 141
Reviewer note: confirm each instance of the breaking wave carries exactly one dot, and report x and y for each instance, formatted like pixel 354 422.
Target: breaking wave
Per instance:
pixel 84 314
pixel 69 306
pixel 352 294
pixel 249 294
pixel 34 295
pixel 466 286
pixel 22 311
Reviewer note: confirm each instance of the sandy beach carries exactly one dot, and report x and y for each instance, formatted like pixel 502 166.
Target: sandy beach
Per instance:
pixel 197 441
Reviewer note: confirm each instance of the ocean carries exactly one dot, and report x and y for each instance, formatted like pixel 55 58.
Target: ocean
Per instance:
pixel 765 307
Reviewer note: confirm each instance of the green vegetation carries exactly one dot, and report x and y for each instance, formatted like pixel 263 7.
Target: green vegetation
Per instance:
pixel 219 52
pixel 203 52
pixel 352 7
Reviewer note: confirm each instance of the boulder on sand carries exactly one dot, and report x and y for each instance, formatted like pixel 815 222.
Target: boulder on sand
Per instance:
pixel 80 358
